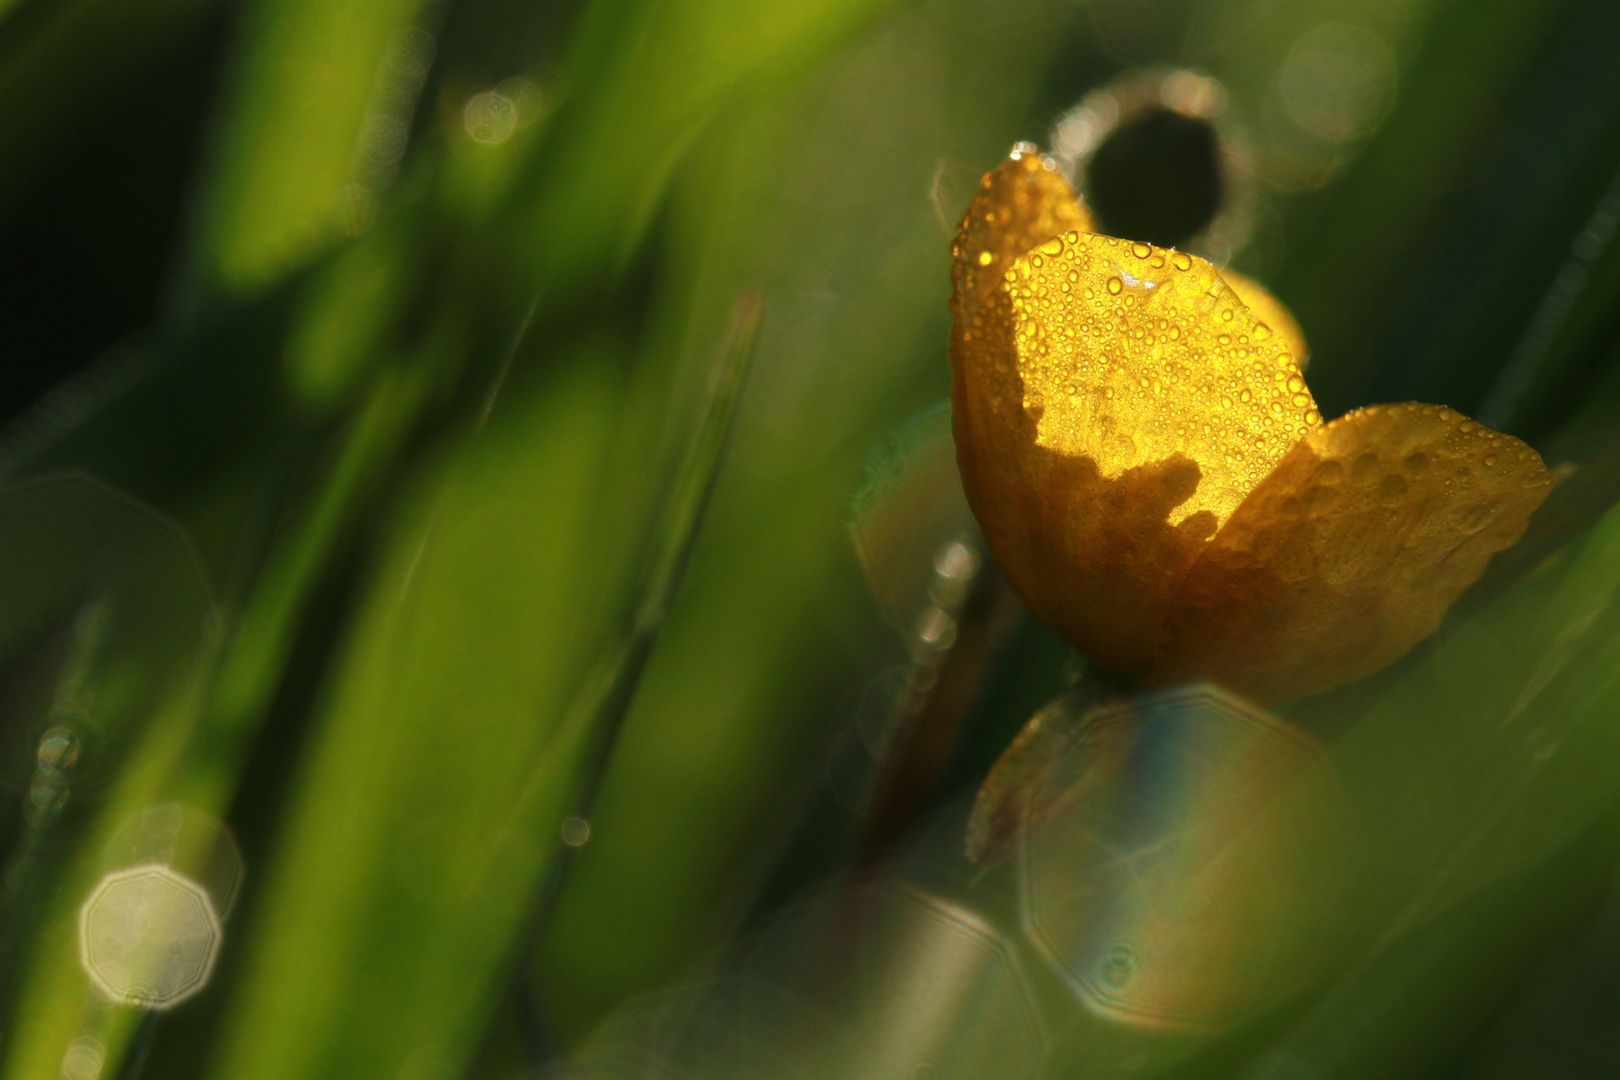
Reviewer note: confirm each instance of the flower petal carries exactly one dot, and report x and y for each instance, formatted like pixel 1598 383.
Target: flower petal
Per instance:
pixel 1020 203
pixel 1350 552
pixel 1271 311
pixel 1131 355
pixel 1094 557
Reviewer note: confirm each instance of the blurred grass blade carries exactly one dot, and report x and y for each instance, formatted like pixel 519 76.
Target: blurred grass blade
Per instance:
pixel 585 739
pixel 653 74
pixel 596 715
pixel 1466 811
pixel 321 100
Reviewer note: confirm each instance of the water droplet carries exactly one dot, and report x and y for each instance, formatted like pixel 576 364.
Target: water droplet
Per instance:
pixel 1467 427
pixel 59 750
pixel 985 258
pixel 1295 384
pixel 1115 285
pixel 1312 416
pixel 575 831
pixel 1141 250
pixel 1181 260
pixel 1226 315
pixel 1119 965
pixel 148 936
pixel 1246 396
pixel 1490 459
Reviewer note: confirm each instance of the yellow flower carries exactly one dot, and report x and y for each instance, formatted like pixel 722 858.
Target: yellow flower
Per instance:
pixel 1155 479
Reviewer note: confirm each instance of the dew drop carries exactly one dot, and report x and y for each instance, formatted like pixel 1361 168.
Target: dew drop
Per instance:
pixel 1312 416
pixel 1182 260
pixel 1115 285
pixel 1141 250
pixel 985 258
pixel 1245 397
pixel 1467 426
pixel 1295 384
pixel 1490 459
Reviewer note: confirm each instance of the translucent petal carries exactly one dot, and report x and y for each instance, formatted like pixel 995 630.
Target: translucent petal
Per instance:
pixel 1350 551
pixel 1104 437
pixel 1116 404
pixel 1133 355
pixel 1271 311
pixel 1020 203
pixel 1094 557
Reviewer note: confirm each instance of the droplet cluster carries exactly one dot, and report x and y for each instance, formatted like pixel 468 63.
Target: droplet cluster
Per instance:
pixel 1131 354
pixel 1018 205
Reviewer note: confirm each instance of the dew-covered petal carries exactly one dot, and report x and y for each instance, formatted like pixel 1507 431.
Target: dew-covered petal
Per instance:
pixel 1131 355
pixel 1114 403
pixel 1023 201
pixel 1095 557
pixel 1271 311
pixel 1350 552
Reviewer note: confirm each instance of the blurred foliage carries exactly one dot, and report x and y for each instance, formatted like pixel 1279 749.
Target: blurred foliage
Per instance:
pixel 370 368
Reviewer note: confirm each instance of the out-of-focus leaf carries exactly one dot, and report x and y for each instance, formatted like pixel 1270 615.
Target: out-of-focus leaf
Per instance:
pixel 319 112
pixel 190 745
pixel 647 77
pixel 387 910
pixel 1485 756
pixel 836 200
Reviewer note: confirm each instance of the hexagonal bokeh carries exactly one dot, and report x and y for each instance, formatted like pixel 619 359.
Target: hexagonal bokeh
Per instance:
pixel 1192 863
pixel 148 936
pixel 875 982
pixel 934 992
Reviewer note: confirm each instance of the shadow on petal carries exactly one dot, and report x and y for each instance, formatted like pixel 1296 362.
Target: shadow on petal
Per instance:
pixel 1350 552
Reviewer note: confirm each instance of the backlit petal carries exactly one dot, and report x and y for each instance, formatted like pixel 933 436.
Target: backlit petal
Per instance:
pixel 1132 355
pixel 1094 557
pixel 1271 311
